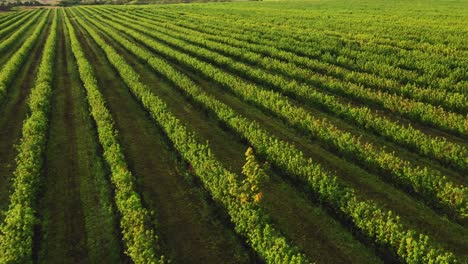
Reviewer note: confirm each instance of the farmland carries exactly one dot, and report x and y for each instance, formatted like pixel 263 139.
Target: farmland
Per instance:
pixel 243 132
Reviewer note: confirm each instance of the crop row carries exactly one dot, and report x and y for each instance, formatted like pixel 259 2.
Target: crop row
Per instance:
pixel 340 50
pixel 295 69
pixel 417 111
pixel 13 38
pixel 445 63
pixel 11 18
pixel 340 27
pixel 437 148
pixel 435 188
pixel 377 224
pixel 12 66
pixel 5 18
pixel 16 233
pixel 14 23
pixel 139 238
pixel 248 218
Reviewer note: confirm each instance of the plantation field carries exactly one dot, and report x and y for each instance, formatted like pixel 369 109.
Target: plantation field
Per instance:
pixel 244 132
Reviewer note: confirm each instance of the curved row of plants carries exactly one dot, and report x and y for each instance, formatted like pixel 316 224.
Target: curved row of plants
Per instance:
pixel 138 235
pixel 13 65
pixel 338 29
pixel 433 147
pixel 293 65
pixel 342 51
pixel 382 226
pixel 249 220
pixel 13 24
pixel 8 17
pixel 437 190
pixel 21 31
pixel 432 67
pixel 414 110
pixel 16 233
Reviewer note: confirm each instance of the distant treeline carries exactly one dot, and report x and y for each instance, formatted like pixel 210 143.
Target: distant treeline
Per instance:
pixel 7 5
pixel 120 2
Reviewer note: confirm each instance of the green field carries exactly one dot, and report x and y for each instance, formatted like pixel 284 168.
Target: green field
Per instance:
pixel 243 132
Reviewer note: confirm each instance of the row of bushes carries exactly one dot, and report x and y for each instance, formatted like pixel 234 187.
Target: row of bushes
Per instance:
pixel 224 186
pixel 12 66
pixel 438 148
pixel 437 190
pixel 138 236
pixel 293 65
pixel 19 32
pixel 382 226
pixel 16 233
pixel 11 23
pixel 417 111
pixel 412 65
